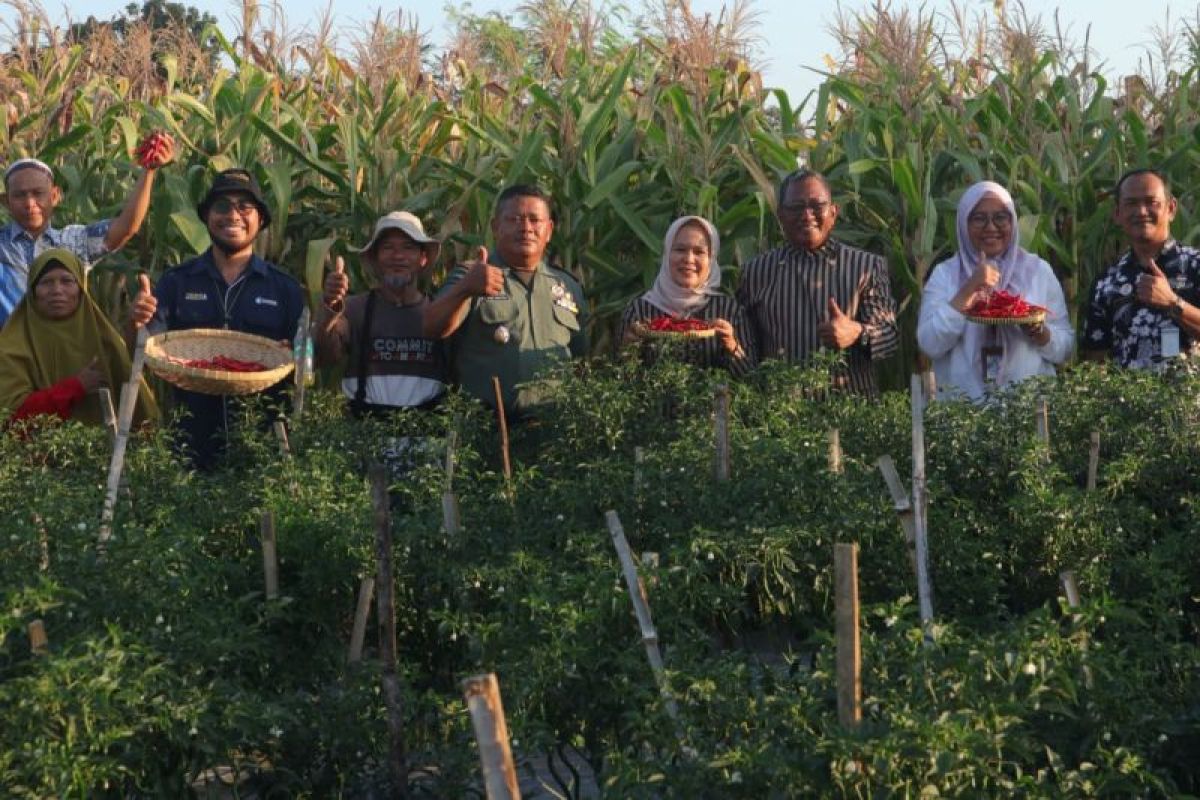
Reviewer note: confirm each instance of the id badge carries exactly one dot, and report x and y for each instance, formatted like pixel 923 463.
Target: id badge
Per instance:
pixel 990 358
pixel 1170 341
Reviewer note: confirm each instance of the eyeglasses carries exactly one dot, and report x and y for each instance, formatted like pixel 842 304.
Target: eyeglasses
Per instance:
pixel 1000 220
pixel 818 208
pixel 223 205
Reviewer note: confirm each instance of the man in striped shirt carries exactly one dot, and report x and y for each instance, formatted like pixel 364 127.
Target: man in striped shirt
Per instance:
pixel 815 292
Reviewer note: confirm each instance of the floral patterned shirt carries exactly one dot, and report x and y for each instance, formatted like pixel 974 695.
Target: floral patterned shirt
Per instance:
pixel 1131 332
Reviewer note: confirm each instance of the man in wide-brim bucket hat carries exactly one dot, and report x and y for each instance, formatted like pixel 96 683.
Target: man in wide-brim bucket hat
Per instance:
pixel 391 364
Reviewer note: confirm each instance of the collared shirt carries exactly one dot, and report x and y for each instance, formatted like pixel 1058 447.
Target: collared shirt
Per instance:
pixel 1131 332
pixel 517 334
pixel 263 300
pixel 786 293
pixel 700 352
pixel 18 250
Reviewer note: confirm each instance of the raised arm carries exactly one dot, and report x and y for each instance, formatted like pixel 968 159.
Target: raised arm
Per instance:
pixel 133 214
pixel 447 311
pixel 332 336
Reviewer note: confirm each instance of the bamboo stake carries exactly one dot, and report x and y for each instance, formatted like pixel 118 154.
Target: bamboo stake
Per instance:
pixel 503 420
pixel 386 615
pixel 902 505
pixel 281 434
pixel 639 459
pixel 482 693
pixel 835 451
pixel 641 607
pixel 929 384
pixel 1042 415
pixel 849 653
pixel 38 643
pixel 269 557
pixel 920 510
pixel 362 611
pixel 107 412
pixel 1071 588
pixel 302 363
pixel 129 395
pixel 451 514
pixel 1093 461
pixel 721 432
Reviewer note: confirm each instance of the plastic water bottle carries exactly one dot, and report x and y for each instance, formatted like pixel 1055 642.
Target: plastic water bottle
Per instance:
pixel 302 349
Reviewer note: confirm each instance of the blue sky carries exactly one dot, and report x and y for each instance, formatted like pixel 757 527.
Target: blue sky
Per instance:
pixel 794 32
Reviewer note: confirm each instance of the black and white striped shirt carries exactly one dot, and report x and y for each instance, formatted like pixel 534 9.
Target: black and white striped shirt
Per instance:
pixel 701 352
pixel 786 291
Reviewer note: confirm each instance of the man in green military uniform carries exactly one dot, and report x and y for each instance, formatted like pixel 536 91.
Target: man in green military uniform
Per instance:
pixel 515 317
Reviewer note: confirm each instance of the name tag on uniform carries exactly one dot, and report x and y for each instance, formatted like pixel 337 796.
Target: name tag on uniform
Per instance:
pixel 1170 341
pixel 265 301
pixel 501 296
pixel 195 296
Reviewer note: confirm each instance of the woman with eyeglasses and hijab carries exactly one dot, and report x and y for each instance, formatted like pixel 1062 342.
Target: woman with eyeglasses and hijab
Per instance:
pixel 970 359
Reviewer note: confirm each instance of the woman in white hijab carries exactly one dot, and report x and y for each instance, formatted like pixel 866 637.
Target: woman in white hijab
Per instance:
pixel 688 286
pixel 971 359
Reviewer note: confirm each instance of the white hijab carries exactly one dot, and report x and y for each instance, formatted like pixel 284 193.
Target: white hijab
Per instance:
pixel 668 295
pixel 1016 265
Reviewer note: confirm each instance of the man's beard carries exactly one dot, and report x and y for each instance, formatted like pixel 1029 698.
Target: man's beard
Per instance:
pixel 397 282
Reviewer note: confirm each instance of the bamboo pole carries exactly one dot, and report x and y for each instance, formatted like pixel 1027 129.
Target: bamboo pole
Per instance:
pixel 39 644
pixel 482 693
pixel 920 510
pixel 903 506
pixel 269 557
pixel 849 652
pixel 281 434
pixel 1042 415
pixel 929 384
pixel 451 513
pixel 641 607
pixel 107 412
pixel 503 422
pixel 302 363
pixel 386 614
pixel 721 432
pixel 362 611
pixel 1093 461
pixel 129 395
pixel 835 451
pixel 1074 600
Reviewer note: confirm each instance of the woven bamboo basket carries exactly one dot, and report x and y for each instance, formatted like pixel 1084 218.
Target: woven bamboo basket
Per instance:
pixel 1028 319
pixel 204 343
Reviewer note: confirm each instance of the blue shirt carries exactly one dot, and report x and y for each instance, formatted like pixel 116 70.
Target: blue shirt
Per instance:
pixel 263 300
pixel 18 250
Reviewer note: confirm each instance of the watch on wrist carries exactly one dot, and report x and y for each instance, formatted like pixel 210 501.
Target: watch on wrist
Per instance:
pixel 864 338
pixel 1176 309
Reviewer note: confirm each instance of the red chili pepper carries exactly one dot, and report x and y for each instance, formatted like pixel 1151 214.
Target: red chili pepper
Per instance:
pixel 678 325
pixel 226 364
pixel 1002 305
pixel 151 149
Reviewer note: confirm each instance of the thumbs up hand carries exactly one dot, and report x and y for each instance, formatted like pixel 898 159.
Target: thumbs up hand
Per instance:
pixel 482 278
pixel 1154 288
pixel 337 284
pixel 838 330
pixel 144 304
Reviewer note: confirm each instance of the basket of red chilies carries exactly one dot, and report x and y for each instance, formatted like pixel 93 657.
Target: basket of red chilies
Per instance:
pixel 1005 308
pixel 218 361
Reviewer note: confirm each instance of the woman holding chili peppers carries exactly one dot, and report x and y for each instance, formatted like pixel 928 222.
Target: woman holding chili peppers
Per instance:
pixel 688 290
pixel 969 358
